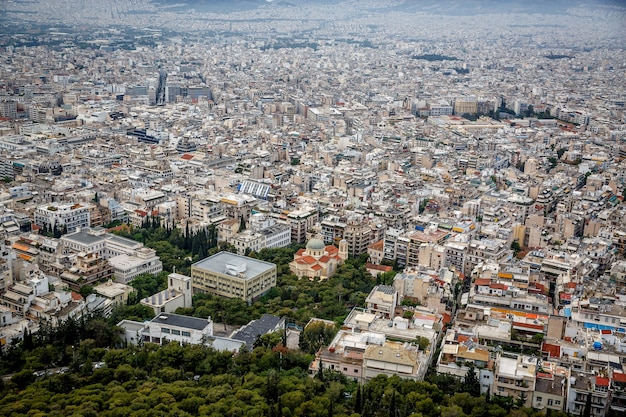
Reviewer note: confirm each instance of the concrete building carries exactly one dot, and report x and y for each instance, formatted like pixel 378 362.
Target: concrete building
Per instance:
pixel 115 291
pixel 178 294
pixel 233 276
pixel 128 266
pixel 393 358
pixel 515 377
pixel 70 216
pixel 382 301
pixel 301 221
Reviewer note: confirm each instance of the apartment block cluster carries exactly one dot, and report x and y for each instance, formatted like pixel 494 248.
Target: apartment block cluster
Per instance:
pixel 491 171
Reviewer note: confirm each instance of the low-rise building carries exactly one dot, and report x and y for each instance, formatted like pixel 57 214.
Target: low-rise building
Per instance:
pixel 115 291
pixel 178 294
pixel 142 261
pixel 169 327
pixel 392 358
pixel 234 276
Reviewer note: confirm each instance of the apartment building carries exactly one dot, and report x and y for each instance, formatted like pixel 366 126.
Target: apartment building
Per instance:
pixel 515 377
pixel 62 215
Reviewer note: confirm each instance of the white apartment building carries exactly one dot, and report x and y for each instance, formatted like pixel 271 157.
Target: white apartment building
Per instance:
pixel 128 266
pixel 72 216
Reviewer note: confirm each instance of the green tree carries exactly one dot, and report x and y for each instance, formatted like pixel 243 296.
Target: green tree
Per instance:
pixel 315 335
pixel 515 246
pixel 471 383
pixel 86 290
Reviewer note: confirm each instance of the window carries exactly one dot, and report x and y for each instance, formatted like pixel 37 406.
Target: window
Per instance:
pixel 164 330
pixel 176 332
pixel 539 399
pixel 186 334
pixel 550 401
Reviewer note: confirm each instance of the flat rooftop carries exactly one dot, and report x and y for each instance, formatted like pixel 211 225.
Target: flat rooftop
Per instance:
pixel 186 322
pixel 217 264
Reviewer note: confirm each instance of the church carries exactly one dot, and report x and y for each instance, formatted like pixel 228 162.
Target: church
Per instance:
pixel 318 261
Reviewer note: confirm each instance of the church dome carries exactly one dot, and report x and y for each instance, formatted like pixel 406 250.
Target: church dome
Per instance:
pixel 315 244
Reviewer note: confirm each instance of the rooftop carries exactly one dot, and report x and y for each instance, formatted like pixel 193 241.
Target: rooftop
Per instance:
pixel 218 263
pixel 177 320
pixel 249 333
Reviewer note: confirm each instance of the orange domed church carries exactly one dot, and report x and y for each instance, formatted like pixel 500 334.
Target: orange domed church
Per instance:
pixel 317 260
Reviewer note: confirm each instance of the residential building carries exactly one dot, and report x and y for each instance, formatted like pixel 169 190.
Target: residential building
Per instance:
pixel 584 385
pixel 382 301
pixel 301 221
pixel 114 291
pixel 515 377
pixel 70 216
pixel 86 269
pixel 392 358
pixel 141 261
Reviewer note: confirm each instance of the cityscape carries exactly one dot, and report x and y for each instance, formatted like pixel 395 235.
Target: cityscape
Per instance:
pixel 312 208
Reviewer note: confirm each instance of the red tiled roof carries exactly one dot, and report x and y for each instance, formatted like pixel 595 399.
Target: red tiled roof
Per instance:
pixel 377 245
pixel 186 157
pixel 316 267
pixel 384 268
pixel 482 281
pixel 446 318
pixel 498 286
pixel 565 296
pixel 308 259
pixel 76 296
pixel 528 325
pixel 552 350
pixel 324 258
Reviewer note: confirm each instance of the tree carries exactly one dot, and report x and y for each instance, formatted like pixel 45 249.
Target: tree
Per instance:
pixel 515 246
pixel 86 290
pixel 316 335
pixel 471 383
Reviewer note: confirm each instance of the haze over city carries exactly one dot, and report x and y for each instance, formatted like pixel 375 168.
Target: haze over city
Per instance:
pixel 312 208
